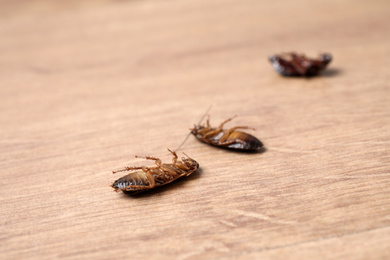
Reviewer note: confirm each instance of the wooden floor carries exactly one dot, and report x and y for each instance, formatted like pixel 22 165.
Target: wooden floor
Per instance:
pixel 87 85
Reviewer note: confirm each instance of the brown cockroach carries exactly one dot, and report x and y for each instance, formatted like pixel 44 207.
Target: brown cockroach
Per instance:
pixel 153 177
pixel 230 138
pixel 292 64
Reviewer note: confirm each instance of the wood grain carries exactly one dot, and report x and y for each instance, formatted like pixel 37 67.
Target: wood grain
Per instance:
pixel 87 85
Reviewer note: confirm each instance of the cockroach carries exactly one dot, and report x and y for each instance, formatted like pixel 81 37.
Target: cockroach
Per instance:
pixel 152 177
pixel 230 138
pixel 292 64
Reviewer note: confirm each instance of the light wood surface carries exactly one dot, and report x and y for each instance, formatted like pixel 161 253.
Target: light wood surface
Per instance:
pixel 87 85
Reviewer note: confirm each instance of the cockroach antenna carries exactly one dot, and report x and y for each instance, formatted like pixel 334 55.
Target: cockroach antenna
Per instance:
pixel 200 121
pixel 208 110
pixel 185 139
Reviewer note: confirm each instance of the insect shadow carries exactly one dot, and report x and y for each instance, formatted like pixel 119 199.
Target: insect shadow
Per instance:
pixel 331 72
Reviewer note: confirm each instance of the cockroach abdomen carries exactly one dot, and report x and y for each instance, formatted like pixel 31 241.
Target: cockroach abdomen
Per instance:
pixel 134 178
pixel 254 144
pixel 247 142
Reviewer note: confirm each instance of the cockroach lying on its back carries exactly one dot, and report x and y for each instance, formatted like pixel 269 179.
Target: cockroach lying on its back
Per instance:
pixel 227 138
pixel 152 177
pixel 292 64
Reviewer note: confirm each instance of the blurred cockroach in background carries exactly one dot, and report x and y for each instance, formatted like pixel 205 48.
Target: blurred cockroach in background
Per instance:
pixel 152 177
pixel 292 64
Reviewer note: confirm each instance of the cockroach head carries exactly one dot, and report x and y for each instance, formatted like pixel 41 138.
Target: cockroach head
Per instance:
pixel 190 162
pixel 196 129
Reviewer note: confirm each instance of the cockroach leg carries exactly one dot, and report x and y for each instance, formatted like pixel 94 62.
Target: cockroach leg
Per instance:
pixel 158 160
pixel 231 130
pixel 220 127
pixel 174 159
pixel 208 121
pixel 227 120
pixel 231 142
pixel 128 169
pixel 172 152
pixel 183 164
pixel 211 133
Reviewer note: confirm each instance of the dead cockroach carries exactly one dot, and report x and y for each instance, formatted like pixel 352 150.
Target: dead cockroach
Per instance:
pixel 152 177
pixel 292 64
pixel 230 138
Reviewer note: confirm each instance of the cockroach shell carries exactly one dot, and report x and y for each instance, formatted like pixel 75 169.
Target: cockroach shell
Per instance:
pixel 134 178
pixel 250 143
